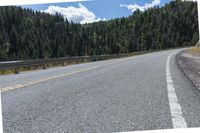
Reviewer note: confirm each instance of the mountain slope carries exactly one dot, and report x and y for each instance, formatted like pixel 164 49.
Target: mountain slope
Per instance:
pixel 27 34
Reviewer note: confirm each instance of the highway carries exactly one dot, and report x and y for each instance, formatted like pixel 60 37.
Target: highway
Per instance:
pixel 144 92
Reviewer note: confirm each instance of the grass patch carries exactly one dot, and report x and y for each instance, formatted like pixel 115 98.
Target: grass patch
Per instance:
pixel 196 49
pixel 79 61
pixel 37 67
pixel 6 71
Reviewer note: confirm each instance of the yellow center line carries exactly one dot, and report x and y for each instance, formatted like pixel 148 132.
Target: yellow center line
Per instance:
pixel 9 88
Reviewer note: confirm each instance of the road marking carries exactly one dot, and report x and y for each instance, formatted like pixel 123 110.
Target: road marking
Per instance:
pixel 178 120
pixel 1 118
pixel 179 130
pixel 9 88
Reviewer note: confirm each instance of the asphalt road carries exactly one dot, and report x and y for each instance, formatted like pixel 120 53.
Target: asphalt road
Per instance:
pixel 118 95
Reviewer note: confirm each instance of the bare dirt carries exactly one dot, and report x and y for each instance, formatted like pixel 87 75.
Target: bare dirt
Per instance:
pixel 189 63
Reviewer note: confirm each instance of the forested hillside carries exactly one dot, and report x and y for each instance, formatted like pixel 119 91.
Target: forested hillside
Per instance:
pixel 28 34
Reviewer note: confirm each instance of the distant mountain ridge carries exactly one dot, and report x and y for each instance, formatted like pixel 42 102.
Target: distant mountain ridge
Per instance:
pixel 28 34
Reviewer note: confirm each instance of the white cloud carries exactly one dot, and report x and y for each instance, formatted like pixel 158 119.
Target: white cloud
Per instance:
pixel 134 7
pixel 78 15
pixel 29 2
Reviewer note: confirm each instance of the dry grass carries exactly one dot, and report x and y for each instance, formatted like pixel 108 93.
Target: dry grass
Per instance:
pixel 49 65
pixel 195 49
pixel 2 72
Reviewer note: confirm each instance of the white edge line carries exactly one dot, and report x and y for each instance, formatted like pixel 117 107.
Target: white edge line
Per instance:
pixel 179 130
pixel 176 112
pixel 178 120
pixel 1 116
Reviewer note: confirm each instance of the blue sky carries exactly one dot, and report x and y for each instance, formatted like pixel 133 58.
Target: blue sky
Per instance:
pixel 102 9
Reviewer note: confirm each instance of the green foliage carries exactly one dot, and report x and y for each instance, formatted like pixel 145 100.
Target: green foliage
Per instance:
pixel 27 34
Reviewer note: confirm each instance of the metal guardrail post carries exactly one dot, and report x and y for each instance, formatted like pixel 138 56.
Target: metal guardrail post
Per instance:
pixel 16 66
pixel 63 63
pixel 17 70
pixel 44 66
pixel 198 44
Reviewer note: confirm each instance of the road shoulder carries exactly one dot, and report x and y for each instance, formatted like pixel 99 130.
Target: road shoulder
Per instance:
pixel 189 61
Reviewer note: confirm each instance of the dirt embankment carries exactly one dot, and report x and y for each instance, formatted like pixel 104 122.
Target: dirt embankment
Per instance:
pixel 189 63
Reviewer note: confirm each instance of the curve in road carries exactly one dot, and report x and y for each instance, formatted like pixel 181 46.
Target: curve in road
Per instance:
pixel 108 96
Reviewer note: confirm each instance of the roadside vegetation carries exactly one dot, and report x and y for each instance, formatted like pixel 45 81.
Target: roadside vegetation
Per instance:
pixel 17 69
pixel 28 34
pixel 196 50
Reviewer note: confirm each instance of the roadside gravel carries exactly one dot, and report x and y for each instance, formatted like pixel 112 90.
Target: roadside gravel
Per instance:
pixel 189 62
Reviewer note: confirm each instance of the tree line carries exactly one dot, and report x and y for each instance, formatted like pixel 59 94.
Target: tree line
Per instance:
pixel 29 34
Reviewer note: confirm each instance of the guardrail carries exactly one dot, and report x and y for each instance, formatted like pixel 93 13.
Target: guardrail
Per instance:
pixel 16 66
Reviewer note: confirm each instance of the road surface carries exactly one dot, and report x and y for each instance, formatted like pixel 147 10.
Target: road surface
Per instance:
pixel 137 93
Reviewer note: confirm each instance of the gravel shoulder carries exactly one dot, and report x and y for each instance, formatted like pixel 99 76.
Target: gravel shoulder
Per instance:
pixel 189 62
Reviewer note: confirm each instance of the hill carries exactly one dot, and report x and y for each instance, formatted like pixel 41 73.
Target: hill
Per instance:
pixel 28 34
